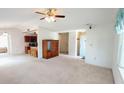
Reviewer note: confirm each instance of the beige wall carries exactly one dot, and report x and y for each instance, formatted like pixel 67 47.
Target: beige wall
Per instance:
pixel 63 39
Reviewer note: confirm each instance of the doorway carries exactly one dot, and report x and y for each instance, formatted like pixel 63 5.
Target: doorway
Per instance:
pixel 4 43
pixel 81 44
pixel 63 42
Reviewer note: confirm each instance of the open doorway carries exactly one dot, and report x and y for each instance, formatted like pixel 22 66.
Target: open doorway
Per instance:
pixel 4 43
pixel 63 42
pixel 81 44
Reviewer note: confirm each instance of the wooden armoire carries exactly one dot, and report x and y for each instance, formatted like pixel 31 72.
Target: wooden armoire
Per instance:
pixel 50 48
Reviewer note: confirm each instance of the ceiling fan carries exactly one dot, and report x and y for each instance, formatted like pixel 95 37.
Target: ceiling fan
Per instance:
pixel 50 14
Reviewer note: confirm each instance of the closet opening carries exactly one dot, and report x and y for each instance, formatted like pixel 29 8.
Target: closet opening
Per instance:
pixel 64 42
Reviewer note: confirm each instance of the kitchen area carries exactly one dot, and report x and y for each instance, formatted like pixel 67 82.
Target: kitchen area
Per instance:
pixel 31 44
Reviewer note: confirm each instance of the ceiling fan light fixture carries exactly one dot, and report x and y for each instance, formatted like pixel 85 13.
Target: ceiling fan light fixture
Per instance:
pixel 50 19
pixel 50 15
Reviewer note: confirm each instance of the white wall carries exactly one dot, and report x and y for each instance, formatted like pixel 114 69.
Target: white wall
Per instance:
pixel 44 34
pixel 73 43
pixel 100 45
pixel 16 40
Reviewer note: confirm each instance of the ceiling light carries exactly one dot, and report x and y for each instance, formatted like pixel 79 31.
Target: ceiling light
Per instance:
pixel 50 15
pixel 50 19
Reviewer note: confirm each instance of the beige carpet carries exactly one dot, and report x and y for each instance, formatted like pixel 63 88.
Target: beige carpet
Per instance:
pixel 23 69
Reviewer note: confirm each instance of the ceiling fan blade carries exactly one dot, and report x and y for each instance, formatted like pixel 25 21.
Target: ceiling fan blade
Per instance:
pixel 60 16
pixel 42 18
pixel 40 13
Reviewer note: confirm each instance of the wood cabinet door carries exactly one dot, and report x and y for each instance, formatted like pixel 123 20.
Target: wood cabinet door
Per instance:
pixel 26 49
pixel 49 54
pixel 30 38
pixel 55 48
pixel 27 38
pixel 34 38
pixel 54 44
pixel 44 49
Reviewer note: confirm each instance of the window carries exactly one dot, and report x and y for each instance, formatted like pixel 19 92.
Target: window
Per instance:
pixel 4 40
pixel 3 43
pixel 121 50
pixel 120 30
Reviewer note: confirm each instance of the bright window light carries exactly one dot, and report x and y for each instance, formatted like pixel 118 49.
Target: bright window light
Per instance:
pixel 4 40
